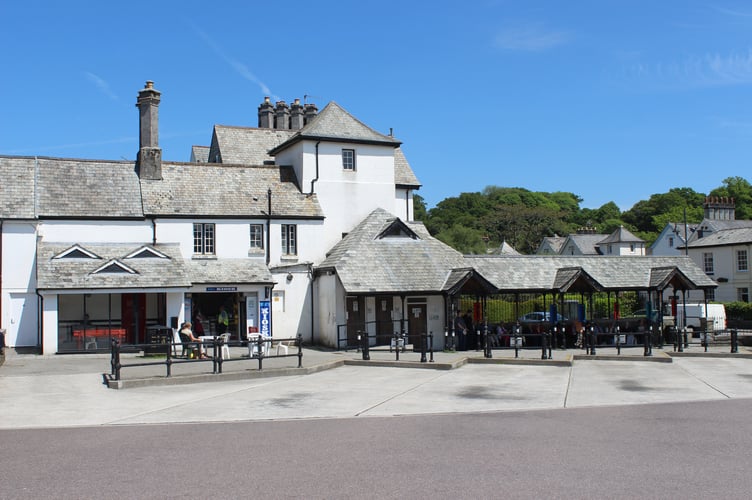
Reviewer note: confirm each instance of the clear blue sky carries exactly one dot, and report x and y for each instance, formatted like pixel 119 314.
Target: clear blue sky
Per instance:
pixel 613 100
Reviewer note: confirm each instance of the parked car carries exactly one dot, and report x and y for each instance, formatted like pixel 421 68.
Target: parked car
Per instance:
pixel 540 317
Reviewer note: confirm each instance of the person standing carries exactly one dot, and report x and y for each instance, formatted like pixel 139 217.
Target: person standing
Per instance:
pixel 472 337
pixel 223 321
pixel 460 330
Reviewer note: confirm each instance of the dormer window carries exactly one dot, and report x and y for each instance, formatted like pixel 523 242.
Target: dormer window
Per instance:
pixel 348 159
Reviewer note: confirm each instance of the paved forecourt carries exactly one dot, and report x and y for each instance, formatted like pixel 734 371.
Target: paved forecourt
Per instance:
pixel 62 391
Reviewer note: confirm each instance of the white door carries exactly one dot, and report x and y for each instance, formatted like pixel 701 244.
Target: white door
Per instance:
pixel 23 320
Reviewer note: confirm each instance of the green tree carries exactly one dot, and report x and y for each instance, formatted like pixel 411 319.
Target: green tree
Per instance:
pixel 463 239
pixel 419 207
pixel 740 190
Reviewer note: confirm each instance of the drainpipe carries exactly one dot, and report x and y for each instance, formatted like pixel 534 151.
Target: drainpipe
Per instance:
pixel 153 231
pixel 40 322
pixel 1 272
pixel 317 167
pixel 268 223
pixel 311 279
pixel 407 204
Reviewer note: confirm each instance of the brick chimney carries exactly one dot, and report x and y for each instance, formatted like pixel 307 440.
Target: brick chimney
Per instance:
pixel 266 114
pixel 310 112
pixel 297 120
pixel 149 159
pixel 282 115
pixel 720 208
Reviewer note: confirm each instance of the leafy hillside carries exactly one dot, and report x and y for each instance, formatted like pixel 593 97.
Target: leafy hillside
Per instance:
pixel 476 222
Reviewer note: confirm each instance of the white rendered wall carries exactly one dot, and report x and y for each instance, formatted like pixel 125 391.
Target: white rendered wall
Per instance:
pixel 403 204
pixel 296 317
pixel 19 300
pixel 96 231
pixel 49 324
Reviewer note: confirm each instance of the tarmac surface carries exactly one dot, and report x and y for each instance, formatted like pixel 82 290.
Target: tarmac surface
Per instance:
pixel 53 391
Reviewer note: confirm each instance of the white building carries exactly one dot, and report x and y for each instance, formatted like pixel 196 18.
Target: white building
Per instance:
pixel 302 225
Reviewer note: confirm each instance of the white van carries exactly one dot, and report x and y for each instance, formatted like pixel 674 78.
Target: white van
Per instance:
pixel 716 316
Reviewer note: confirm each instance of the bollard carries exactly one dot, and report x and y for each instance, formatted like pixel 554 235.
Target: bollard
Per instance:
pixel 423 348
pixel 299 341
pixel 705 337
pixel 517 342
pixel 679 342
pixel 618 340
pixel 396 345
pixel 592 341
pixel 734 341
pixel 686 338
pixel 363 338
pixel 430 339
pixel 544 341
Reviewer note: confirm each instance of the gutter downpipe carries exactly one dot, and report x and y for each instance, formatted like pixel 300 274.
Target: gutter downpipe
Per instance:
pixel 311 278
pixel 153 231
pixel 1 271
pixel 268 224
pixel 40 322
pixel 317 168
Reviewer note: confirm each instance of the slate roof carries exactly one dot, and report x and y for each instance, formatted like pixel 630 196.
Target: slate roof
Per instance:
pixel 246 271
pixel 553 242
pixel 394 264
pixel 218 190
pixel 505 249
pixel 80 273
pixel 585 243
pixel 333 123
pixel 200 154
pixel 53 187
pixel 621 235
pixel 539 272
pixel 17 188
pixel 95 189
pixel 739 236
pixel 403 173
pixel 245 145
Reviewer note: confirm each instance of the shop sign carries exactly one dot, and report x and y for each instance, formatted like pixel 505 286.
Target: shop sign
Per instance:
pixel 265 311
pixel 221 289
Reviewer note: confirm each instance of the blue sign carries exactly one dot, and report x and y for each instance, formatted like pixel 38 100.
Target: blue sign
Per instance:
pixel 265 321
pixel 221 289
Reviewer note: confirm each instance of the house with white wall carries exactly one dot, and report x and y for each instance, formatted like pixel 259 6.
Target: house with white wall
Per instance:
pixel 301 225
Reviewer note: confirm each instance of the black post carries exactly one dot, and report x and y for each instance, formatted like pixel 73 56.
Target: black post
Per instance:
pixel 221 341
pixel 423 341
pixel 397 345
pixel 618 340
pixel 430 339
pixel 592 340
pixel 260 344
pixel 168 358
pixel 734 341
pixel 705 336
pixel 686 338
pixel 544 340
pixel 116 358
pixel 679 338
pixel 363 337
pixel 299 341
pixel 516 340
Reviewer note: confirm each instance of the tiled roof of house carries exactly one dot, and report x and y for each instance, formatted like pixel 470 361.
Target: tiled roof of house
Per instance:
pixel 738 236
pixel 111 266
pixel 248 271
pixel 17 188
pixel 551 244
pixel 621 235
pixel 335 124
pixel 585 243
pixel 516 273
pixel 200 154
pixel 245 145
pixel 365 263
pixel 70 188
pixel 403 173
pixel 218 190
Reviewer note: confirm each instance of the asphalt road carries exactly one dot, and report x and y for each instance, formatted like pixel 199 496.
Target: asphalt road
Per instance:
pixel 671 450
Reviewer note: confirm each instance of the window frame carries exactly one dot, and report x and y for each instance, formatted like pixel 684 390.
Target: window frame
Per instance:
pixel 348 164
pixel 204 238
pixel 289 240
pixel 707 263
pixel 742 261
pixel 742 294
pixel 256 241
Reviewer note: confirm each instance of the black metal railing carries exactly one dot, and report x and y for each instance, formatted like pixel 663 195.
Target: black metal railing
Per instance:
pixel 257 351
pixel 397 342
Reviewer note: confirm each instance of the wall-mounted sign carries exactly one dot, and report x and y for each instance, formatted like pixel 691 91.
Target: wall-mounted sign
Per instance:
pixel 265 321
pixel 221 289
